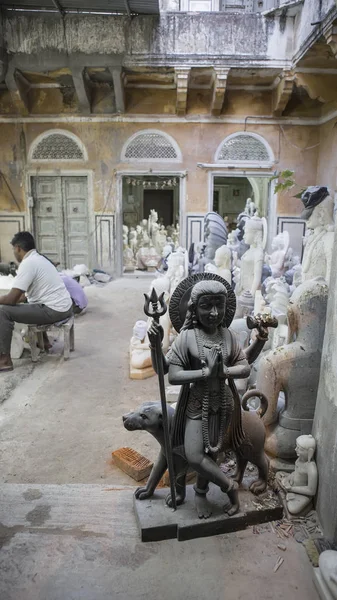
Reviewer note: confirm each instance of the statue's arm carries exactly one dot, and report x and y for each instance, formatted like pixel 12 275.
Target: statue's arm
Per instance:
pixel 238 371
pixel 270 384
pixel 254 349
pixel 310 489
pixel 178 376
pixel 162 357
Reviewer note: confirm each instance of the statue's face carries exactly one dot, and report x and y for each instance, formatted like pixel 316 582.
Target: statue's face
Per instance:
pixel 302 453
pixel 210 310
pixel 314 219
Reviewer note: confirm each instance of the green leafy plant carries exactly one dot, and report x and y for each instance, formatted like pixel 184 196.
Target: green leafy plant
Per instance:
pixel 286 182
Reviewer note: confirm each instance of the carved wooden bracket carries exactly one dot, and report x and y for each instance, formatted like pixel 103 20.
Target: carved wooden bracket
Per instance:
pixel 182 78
pixel 282 92
pixel 219 89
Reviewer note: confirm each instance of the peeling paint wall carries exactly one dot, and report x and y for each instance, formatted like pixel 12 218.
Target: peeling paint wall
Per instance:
pixel 312 11
pixel 198 144
pixel 246 35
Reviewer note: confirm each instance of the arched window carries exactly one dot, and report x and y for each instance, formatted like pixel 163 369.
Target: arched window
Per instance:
pixel 151 145
pixel 245 148
pixel 57 145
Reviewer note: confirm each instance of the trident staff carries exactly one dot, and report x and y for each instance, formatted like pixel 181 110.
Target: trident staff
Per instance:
pixel 151 309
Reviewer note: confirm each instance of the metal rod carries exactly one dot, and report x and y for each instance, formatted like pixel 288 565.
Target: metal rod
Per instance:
pixel 168 448
pixel 127 7
pixel 59 7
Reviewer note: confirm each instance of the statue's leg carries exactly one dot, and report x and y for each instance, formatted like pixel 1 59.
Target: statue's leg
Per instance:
pixel 241 464
pixel 205 466
pixel 260 485
pixel 203 507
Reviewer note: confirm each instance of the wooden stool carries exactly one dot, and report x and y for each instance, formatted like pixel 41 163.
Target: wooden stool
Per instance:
pixel 35 337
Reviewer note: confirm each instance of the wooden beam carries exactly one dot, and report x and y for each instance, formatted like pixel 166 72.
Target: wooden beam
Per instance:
pixel 282 92
pixel 182 76
pixel 18 87
pixel 219 89
pixel 82 88
pixel 117 78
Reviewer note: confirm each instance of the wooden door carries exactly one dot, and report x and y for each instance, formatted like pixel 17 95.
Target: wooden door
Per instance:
pixel 61 224
pixel 48 218
pixel 75 201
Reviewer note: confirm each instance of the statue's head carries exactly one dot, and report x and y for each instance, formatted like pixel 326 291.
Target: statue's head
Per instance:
pixel 322 215
pixel 253 231
pixel 207 305
pixel 307 307
pixel 223 257
pixel 139 330
pixel 278 242
pixel 305 447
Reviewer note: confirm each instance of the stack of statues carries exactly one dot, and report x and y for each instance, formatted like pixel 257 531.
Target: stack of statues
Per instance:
pixel 278 285
pixel 147 244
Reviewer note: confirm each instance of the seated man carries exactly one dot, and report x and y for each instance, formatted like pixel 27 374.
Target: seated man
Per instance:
pixel 48 299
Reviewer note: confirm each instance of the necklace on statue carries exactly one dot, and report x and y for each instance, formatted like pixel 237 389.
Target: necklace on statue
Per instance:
pixel 211 340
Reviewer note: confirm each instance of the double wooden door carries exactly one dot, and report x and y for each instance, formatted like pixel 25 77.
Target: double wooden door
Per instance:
pixel 61 220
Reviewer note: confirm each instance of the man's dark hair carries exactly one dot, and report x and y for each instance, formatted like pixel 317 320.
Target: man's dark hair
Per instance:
pixel 24 240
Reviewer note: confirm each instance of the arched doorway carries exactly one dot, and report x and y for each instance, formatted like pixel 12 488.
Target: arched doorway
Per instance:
pixel 59 212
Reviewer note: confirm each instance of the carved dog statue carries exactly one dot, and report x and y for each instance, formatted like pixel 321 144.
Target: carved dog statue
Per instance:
pixel 148 417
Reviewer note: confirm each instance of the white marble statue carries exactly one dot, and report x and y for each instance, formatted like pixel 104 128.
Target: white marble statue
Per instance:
pixel 276 260
pixel 129 261
pixel 145 235
pixel 250 208
pixel 318 248
pixel 280 299
pixel 153 228
pixel 326 575
pixel 133 242
pixel 125 236
pixel 222 263
pixel 252 260
pixel 301 485
pixel 177 264
pixel 140 353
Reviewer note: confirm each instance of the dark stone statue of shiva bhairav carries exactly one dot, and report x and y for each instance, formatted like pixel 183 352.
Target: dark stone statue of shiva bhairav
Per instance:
pixel 205 359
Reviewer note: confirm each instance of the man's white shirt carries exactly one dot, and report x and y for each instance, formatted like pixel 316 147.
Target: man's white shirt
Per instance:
pixel 41 282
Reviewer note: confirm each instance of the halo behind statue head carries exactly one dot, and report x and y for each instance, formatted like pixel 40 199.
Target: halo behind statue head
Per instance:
pixel 182 293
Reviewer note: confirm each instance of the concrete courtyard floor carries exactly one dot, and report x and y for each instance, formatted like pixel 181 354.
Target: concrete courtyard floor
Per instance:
pixel 66 521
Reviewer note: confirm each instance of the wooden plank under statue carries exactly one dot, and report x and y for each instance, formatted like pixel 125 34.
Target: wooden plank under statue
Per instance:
pixel 205 360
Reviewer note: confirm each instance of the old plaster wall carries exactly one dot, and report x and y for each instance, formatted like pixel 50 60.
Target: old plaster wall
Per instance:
pixel 327 164
pixel 198 143
pixel 325 423
pixel 146 37
pixel 312 11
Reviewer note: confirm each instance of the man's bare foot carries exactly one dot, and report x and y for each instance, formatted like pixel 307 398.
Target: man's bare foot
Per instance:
pixel 203 507
pixel 5 363
pixel 233 495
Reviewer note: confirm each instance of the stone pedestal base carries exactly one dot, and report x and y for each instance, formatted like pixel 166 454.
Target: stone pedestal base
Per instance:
pixel 141 373
pixel 323 590
pixel 156 521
